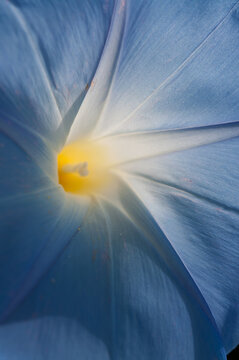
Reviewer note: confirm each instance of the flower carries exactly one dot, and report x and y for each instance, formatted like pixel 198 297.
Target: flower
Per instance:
pixel 139 261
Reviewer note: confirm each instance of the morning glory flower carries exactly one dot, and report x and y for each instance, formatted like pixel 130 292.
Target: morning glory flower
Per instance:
pixel 119 179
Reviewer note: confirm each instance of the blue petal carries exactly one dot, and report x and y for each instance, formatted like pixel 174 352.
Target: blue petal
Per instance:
pixel 193 195
pixel 119 291
pixel 177 67
pixel 51 51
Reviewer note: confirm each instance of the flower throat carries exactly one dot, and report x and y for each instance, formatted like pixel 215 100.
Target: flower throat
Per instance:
pixel 83 168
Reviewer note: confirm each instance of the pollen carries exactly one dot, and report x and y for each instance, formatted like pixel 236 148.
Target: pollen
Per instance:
pixel 83 168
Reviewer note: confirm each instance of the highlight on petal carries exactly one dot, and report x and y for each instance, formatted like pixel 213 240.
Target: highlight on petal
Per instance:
pixel 101 83
pixel 133 146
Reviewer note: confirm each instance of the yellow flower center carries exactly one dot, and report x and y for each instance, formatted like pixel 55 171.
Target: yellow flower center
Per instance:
pixel 83 168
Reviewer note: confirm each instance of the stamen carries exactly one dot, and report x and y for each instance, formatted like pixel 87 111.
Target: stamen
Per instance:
pixel 83 168
pixel 80 168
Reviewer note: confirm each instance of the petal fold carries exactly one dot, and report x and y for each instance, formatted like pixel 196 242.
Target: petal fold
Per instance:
pixel 142 145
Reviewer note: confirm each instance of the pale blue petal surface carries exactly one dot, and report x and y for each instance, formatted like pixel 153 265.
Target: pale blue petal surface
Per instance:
pixel 176 67
pixel 193 195
pixel 120 292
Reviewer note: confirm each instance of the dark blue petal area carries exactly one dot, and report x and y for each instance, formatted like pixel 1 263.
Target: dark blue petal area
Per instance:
pixel 119 291
pixel 177 67
pixel 193 195
pixel 37 220
pixel 49 53
pixel 19 174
